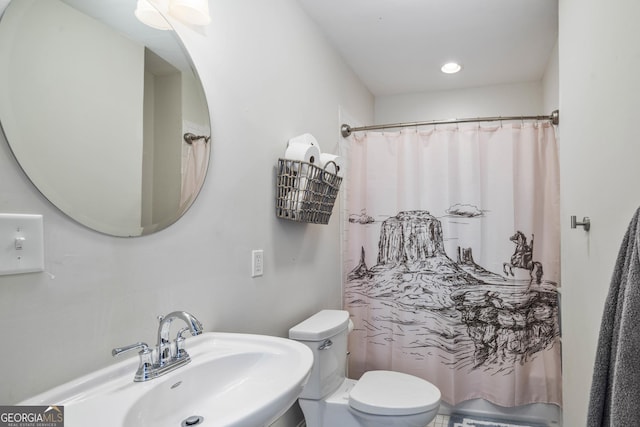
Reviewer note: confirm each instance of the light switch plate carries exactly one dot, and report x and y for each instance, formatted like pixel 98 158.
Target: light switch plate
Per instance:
pixel 21 244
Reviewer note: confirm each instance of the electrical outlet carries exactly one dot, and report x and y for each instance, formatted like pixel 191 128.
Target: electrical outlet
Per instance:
pixel 257 262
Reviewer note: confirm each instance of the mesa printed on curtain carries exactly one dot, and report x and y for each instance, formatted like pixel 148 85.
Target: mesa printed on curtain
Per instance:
pixel 452 259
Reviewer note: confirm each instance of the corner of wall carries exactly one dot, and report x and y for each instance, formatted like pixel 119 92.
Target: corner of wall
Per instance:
pixel 550 82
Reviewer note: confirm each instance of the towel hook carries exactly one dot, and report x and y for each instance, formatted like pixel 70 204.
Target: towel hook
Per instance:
pixel 586 223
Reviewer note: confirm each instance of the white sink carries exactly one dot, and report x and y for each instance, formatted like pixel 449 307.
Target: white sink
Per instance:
pixel 232 380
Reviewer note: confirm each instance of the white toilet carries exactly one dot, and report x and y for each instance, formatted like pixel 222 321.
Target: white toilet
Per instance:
pixel 378 399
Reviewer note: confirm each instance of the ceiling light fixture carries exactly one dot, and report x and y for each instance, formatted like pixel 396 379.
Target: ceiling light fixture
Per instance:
pixel 451 68
pixel 190 12
pixel 150 14
pixel 194 12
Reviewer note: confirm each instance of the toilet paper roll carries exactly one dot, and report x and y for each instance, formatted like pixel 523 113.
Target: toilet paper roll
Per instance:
pixel 304 139
pixel 295 202
pixel 338 160
pixel 303 152
pixel 292 202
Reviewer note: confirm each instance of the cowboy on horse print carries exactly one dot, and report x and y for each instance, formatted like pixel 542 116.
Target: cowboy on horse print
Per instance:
pixel 523 257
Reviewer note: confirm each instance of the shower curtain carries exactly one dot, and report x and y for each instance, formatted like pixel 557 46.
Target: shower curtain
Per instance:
pixel 452 260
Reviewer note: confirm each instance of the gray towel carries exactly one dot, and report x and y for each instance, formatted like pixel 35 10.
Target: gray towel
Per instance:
pixel 615 390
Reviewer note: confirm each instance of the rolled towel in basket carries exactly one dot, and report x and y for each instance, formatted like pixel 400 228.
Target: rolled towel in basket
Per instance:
pixel 338 169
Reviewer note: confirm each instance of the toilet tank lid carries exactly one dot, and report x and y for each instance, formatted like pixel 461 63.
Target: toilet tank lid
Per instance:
pixel 320 326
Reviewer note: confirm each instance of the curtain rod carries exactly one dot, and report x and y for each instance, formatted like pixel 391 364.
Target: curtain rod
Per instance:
pixel 346 130
pixel 190 137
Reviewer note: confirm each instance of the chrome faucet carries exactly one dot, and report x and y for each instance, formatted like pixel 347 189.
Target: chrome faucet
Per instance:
pixel 168 355
pixel 163 346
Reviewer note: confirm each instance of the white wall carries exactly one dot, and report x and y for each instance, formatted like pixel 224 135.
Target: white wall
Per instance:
pixel 550 83
pixel 167 149
pixel 599 152
pixel 499 100
pixel 269 75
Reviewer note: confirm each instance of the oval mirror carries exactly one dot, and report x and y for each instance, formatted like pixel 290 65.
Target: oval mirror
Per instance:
pixel 105 115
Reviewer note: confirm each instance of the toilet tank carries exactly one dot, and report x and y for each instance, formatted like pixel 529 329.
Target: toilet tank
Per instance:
pixel 325 333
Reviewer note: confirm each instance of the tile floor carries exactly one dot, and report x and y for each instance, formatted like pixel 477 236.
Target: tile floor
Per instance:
pixel 440 421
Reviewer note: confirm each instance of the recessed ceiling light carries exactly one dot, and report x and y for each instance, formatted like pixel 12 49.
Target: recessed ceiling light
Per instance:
pixel 451 68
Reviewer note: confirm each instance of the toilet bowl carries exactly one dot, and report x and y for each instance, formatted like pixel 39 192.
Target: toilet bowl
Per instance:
pixel 378 399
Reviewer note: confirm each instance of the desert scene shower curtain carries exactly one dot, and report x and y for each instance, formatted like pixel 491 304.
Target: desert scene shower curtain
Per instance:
pixel 452 259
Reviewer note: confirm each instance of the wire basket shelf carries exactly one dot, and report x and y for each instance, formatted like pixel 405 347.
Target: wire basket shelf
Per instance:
pixel 305 192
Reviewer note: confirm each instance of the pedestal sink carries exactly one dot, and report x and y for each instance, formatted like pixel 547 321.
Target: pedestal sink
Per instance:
pixel 232 380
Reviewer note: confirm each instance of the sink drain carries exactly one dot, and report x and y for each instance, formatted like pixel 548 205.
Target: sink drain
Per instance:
pixel 193 420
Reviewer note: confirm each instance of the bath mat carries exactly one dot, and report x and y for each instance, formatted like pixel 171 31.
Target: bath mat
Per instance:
pixel 473 421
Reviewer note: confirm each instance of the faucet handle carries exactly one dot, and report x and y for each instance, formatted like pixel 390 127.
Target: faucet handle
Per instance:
pixel 145 367
pixel 144 348
pixel 179 336
pixel 180 332
pixel 180 351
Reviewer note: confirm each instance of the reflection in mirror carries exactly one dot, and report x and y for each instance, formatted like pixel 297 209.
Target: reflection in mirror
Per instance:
pixel 95 105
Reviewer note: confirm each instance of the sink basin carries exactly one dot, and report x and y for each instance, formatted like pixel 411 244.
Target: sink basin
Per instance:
pixel 232 380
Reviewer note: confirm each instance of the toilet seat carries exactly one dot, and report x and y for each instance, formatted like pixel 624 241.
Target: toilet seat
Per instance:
pixel 393 393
